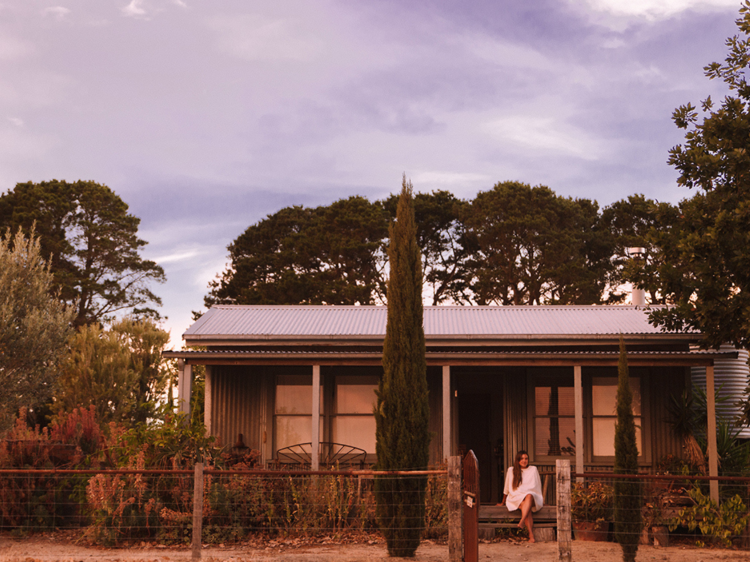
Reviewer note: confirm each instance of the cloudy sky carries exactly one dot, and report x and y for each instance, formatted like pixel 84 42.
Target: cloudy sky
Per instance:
pixel 205 116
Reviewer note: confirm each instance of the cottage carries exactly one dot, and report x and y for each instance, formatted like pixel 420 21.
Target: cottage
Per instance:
pixel 541 378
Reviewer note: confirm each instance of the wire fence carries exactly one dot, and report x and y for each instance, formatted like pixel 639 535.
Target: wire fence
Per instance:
pixel 676 507
pixel 113 506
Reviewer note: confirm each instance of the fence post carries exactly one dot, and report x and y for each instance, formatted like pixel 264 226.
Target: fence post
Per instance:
pixel 470 506
pixel 455 511
pixel 564 538
pixel 197 511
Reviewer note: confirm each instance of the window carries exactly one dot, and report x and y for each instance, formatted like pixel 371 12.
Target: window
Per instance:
pixel 353 421
pixel 554 418
pixel 604 414
pixel 293 411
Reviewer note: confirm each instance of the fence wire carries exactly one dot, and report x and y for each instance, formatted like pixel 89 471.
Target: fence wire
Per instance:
pixel 109 507
pixel 666 506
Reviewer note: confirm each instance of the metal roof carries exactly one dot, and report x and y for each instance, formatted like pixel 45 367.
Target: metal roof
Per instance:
pixel 307 321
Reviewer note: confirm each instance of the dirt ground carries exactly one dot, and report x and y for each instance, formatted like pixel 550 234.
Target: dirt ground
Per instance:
pixel 49 549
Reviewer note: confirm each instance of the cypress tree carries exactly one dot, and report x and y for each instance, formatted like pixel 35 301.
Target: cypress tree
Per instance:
pixel 627 492
pixel 402 411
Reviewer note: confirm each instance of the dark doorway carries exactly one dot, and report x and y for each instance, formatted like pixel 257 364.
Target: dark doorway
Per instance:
pixel 474 425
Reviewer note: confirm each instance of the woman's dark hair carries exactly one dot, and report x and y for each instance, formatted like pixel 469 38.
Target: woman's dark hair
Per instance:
pixel 517 476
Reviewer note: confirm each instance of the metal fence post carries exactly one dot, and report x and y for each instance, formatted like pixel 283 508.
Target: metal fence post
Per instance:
pixel 455 511
pixel 564 538
pixel 197 511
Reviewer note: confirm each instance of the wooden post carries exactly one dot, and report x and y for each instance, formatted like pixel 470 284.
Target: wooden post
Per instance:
pixel 578 398
pixel 564 538
pixel 713 457
pixel 184 387
pixel 315 447
pixel 471 507
pixel 197 511
pixel 455 513
pixel 446 412
pixel 208 400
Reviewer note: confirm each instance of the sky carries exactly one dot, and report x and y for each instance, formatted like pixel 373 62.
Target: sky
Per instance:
pixel 206 116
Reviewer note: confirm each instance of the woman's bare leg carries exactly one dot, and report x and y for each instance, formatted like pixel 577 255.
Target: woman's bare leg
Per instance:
pixel 527 519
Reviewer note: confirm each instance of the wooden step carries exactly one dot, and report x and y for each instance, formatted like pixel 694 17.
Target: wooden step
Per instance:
pixel 489 512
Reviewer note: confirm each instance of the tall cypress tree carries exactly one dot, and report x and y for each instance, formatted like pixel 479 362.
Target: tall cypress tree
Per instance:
pixel 402 411
pixel 627 492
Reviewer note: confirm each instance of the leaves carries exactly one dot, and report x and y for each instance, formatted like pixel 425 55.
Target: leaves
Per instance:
pixel 34 326
pixel 92 244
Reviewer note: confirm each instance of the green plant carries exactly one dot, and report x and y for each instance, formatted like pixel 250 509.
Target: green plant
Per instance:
pixel 402 413
pixel 627 501
pixel 721 522
pixel 591 503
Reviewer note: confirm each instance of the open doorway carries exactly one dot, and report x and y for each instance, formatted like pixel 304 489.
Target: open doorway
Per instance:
pixel 480 428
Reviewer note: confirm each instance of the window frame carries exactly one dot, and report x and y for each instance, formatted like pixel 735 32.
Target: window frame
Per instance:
pixel 563 377
pixel 589 374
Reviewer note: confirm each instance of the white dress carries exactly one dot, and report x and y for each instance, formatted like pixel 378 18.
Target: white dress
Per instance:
pixel 530 484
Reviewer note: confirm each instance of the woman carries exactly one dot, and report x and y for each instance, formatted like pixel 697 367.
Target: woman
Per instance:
pixel 523 488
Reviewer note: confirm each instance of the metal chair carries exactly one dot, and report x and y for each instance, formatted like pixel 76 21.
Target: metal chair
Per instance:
pixel 330 454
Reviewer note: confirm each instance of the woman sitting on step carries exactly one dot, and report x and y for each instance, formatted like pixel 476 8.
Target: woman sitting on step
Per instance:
pixel 523 488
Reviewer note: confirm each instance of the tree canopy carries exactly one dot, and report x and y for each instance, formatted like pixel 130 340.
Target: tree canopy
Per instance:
pixel 322 255
pixel 513 244
pixel 92 245
pixel 34 326
pixel 118 370
pixel 536 247
pixel 705 270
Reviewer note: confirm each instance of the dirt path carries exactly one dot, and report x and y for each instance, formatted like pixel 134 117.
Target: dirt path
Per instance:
pixel 52 549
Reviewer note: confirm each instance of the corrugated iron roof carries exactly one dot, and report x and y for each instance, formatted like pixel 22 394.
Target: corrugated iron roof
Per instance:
pixel 263 321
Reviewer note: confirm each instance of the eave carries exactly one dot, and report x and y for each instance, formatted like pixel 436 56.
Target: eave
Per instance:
pixel 453 358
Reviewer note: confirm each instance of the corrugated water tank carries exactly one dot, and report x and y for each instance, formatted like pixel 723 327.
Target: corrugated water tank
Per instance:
pixel 730 379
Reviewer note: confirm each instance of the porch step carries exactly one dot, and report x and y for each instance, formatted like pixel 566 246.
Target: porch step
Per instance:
pixel 491 513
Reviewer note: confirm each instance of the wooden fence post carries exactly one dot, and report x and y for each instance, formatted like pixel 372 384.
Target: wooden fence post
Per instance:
pixel 455 511
pixel 564 538
pixel 470 507
pixel 197 511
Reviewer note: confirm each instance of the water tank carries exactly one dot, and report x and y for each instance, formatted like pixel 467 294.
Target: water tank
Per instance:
pixel 730 380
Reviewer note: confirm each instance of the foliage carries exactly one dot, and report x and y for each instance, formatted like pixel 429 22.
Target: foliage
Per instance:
pixel 120 371
pixel 145 342
pixel 536 247
pixel 322 255
pixel 720 522
pixel 591 503
pixel 706 265
pixel 121 506
pixel 92 243
pixel 176 442
pixel 97 372
pixel 630 222
pixel 627 501
pixel 513 244
pixel 40 501
pixel 442 238
pixel 402 410
pixel 688 416
pixel 34 326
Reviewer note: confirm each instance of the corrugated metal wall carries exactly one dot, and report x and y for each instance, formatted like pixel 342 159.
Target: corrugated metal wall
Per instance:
pixel 238 403
pixel 664 382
